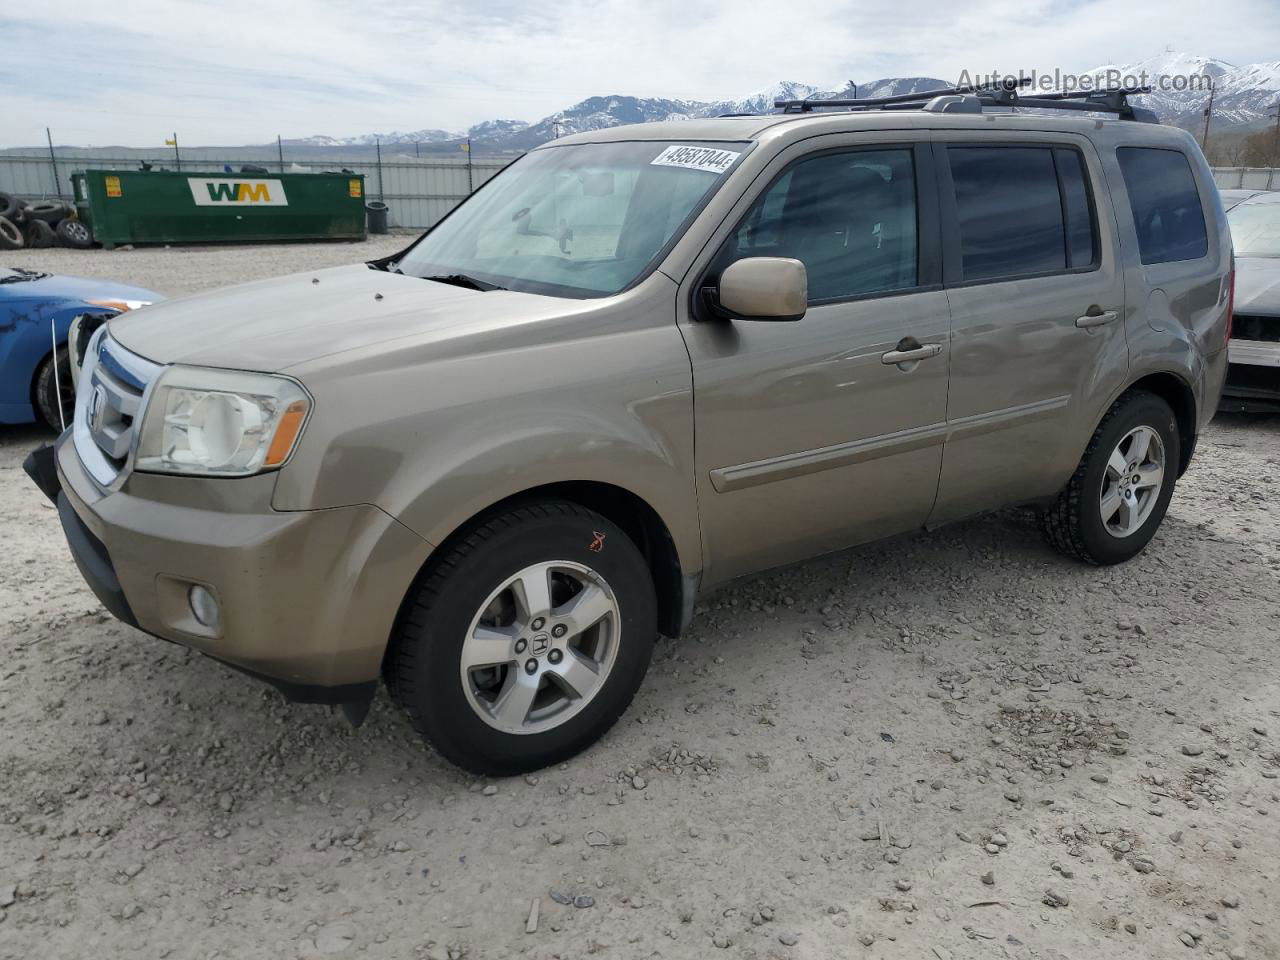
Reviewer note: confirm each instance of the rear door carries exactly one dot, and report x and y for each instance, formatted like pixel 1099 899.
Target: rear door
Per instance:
pixel 1036 287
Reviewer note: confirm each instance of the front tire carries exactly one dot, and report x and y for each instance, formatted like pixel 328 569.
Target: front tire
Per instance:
pixel 48 388
pixel 1114 502
pixel 524 642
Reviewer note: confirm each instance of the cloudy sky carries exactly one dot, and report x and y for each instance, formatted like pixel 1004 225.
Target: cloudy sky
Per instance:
pixel 240 71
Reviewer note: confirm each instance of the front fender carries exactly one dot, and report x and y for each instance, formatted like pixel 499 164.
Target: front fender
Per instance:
pixel 25 340
pixel 549 448
pixel 435 439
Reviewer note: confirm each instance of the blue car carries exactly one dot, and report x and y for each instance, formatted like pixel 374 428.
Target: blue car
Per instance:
pixel 35 310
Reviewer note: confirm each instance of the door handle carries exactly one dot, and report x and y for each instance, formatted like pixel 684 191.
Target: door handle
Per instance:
pixel 1096 318
pixel 909 350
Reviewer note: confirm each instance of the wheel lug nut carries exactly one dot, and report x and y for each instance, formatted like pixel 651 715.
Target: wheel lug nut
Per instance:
pixel 521 645
pixel 559 630
pixel 555 656
pixel 538 623
pixel 531 666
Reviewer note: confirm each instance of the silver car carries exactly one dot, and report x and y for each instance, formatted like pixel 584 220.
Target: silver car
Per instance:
pixel 1253 378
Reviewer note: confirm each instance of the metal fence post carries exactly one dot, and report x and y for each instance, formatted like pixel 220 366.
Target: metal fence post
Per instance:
pixel 381 196
pixel 53 162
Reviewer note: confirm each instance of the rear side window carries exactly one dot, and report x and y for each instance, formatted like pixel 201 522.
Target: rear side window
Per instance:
pixel 1165 203
pixel 1022 211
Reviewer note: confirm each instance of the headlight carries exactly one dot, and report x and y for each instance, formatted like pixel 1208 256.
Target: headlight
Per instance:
pixel 221 423
pixel 120 306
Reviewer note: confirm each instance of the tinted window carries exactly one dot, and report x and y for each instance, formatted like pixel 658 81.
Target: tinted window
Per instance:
pixel 1010 211
pixel 1081 241
pixel 1165 203
pixel 850 218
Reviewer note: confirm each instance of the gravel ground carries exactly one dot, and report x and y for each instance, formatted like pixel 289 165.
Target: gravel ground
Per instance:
pixel 175 271
pixel 950 746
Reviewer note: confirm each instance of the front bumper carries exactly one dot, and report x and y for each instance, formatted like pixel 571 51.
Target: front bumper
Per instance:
pixel 307 599
pixel 1253 378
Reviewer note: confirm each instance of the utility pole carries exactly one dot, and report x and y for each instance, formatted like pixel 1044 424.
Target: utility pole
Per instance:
pixel 381 196
pixel 177 157
pixel 1275 140
pixel 471 180
pixel 1208 118
pixel 280 151
pixel 53 162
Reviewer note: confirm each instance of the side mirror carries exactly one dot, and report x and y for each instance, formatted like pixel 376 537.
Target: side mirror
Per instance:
pixel 764 288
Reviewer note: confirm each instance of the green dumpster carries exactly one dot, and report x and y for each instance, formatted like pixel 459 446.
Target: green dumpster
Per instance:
pixel 168 206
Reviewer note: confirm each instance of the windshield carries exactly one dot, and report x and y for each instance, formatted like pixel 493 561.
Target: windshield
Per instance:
pixel 576 221
pixel 1255 229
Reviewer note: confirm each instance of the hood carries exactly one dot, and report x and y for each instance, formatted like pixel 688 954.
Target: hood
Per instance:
pixel 270 325
pixel 1258 285
pixel 61 287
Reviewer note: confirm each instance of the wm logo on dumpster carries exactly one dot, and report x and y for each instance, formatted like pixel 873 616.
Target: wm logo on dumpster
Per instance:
pixel 237 193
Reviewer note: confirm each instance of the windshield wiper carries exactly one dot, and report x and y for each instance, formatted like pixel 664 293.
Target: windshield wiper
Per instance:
pixel 462 280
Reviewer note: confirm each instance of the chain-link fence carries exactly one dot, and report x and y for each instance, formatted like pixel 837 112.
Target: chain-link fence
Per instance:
pixel 1247 178
pixel 418 191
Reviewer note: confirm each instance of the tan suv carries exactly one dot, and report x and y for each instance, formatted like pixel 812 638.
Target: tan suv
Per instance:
pixel 638 363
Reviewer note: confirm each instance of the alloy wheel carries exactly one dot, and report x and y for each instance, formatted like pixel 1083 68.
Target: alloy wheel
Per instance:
pixel 1132 482
pixel 541 647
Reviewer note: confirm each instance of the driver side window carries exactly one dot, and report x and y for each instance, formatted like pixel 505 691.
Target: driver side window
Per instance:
pixel 849 217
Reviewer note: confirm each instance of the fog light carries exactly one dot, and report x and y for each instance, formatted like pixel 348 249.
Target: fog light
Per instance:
pixel 203 606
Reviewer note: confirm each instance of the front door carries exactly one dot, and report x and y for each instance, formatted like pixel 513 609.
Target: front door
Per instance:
pixel 816 435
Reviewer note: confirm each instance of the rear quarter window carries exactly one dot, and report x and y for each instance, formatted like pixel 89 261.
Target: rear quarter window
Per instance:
pixel 1165 203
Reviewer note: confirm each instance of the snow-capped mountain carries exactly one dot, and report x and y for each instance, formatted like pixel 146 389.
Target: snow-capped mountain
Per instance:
pixel 1242 97
pixel 369 139
pixel 763 100
pixel 1180 87
pixel 490 129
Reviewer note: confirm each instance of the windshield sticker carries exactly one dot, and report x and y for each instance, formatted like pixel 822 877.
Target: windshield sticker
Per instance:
pixel 696 158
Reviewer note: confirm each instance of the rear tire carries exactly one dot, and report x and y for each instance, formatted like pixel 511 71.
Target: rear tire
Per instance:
pixel 472 601
pixel 1114 502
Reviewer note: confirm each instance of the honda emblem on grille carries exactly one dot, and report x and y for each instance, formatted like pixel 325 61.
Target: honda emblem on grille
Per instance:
pixel 97 409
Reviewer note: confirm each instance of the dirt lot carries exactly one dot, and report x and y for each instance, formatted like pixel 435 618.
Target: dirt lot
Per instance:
pixel 951 746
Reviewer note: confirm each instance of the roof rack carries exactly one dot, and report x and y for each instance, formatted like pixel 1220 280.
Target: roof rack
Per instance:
pixel 972 99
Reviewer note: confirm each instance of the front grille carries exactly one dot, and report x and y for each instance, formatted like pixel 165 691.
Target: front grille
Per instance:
pixel 1248 326
pixel 109 401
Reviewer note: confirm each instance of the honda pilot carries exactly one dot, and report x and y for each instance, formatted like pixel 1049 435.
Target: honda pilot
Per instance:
pixel 640 362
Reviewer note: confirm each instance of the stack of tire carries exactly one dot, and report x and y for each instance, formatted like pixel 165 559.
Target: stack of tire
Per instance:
pixel 39 224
